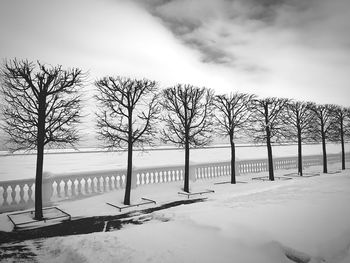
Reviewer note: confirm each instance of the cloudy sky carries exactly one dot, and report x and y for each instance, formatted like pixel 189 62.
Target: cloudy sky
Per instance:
pixel 288 48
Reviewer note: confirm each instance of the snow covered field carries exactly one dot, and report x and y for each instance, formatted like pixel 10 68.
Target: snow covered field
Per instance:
pixel 23 166
pixel 252 222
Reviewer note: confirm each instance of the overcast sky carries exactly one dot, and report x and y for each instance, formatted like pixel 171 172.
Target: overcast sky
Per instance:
pixel 287 48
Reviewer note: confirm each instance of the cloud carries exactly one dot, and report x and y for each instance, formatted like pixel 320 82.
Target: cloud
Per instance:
pixel 286 48
pixel 297 47
pixel 216 27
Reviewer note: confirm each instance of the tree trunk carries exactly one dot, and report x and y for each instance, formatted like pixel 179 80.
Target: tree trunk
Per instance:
pixel 187 167
pixel 342 146
pixel 40 158
pixel 300 157
pixel 324 151
pixel 233 161
pixel 129 168
pixel 269 154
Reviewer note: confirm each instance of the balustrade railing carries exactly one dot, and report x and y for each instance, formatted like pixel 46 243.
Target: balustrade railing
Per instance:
pixel 19 194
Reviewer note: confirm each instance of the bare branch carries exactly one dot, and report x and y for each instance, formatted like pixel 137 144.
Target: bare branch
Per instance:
pixel 189 113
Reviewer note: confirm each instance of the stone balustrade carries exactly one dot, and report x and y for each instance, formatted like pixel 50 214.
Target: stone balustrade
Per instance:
pixel 19 194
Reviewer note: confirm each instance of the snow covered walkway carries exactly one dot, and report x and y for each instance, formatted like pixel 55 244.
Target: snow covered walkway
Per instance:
pixel 253 222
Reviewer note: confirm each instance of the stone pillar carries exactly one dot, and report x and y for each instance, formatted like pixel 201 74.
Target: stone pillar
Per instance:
pixel 47 188
pixel 134 177
pixel 192 172
pixel 237 162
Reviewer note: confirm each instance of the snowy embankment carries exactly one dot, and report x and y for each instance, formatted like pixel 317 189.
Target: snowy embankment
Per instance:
pixel 304 218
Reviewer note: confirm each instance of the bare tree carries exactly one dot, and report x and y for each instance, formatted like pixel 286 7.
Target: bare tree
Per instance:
pixel 42 107
pixel 129 108
pixel 267 124
pixel 299 126
pixel 324 119
pixel 339 131
pixel 233 113
pixel 188 120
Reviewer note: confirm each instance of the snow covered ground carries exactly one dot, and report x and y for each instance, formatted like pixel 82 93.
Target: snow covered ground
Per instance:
pixel 249 222
pixel 23 166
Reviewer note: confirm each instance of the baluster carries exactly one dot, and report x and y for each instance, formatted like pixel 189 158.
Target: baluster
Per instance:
pixel 79 193
pixel 104 184
pixel 117 182
pixel 74 190
pixel 54 189
pixel 155 177
pixel 21 194
pixel 65 188
pixel 85 186
pixel 151 176
pixel 142 181
pixel 98 184
pixel 160 175
pixel 4 196
pixel 123 180
pixel 169 176
pixel 30 194
pixel 59 188
pixel 13 194
pixel 93 185
pixel 109 183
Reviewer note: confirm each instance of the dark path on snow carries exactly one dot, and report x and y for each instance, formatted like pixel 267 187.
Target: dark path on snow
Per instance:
pixel 89 224
pixel 12 250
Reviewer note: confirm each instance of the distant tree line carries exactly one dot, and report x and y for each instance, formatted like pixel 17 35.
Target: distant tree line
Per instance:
pixel 42 106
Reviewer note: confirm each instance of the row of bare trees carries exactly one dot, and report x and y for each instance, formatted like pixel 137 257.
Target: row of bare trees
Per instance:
pixel 43 106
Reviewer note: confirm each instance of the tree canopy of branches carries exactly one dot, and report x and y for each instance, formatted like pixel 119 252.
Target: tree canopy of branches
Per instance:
pixel 325 121
pixel 233 113
pixel 267 124
pixel 129 108
pixel 341 128
pixel 42 106
pixel 299 126
pixel 188 119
